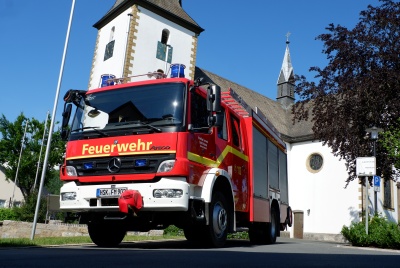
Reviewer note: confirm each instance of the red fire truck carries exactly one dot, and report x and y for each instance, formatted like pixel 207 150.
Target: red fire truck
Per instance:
pixel 172 151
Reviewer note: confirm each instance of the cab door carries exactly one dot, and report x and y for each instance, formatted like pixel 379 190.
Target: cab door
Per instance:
pixel 201 141
pixel 238 166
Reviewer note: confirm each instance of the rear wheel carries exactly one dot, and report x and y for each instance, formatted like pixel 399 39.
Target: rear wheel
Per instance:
pixel 264 233
pixel 217 230
pixel 272 227
pixel 257 233
pixel 106 235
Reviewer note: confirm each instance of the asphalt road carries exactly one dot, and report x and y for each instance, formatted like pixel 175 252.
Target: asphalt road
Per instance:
pixel 285 253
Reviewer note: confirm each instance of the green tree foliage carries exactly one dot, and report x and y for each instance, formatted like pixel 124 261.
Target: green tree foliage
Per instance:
pixel 10 147
pixel 391 142
pixel 359 87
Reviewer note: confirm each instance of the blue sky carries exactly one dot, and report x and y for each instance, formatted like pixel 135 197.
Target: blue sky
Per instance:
pixel 243 41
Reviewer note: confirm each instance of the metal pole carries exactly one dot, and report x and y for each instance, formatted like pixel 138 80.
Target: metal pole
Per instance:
pixel 375 195
pixel 52 121
pixel 366 205
pixel 19 160
pixel 41 148
pixel 166 58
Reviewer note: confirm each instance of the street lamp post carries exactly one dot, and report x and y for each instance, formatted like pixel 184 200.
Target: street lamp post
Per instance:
pixel 374 131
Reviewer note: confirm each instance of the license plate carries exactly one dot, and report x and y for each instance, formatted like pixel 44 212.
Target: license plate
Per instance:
pixel 110 192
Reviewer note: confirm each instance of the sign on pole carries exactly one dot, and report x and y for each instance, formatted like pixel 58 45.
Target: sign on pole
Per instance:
pixel 366 166
pixel 377 183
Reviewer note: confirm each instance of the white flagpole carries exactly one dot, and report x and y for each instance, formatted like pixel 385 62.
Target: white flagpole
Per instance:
pixel 52 122
pixel 19 160
pixel 41 148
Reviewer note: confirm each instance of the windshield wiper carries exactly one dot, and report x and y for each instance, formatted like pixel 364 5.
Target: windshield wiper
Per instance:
pixel 156 129
pixel 93 128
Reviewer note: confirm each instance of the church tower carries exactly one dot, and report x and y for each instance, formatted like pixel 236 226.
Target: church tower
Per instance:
pixel 140 36
pixel 285 84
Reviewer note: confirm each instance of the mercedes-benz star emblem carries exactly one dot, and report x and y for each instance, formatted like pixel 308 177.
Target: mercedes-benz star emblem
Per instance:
pixel 114 165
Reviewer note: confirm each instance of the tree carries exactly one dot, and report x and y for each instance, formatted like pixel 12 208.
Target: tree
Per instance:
pixel 391 142
pixel 10 147
pixel 359 87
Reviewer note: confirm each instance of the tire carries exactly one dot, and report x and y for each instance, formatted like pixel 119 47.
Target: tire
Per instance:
pixel 261 233
pixel 257 233
pixel 217 230
pixel 272 227
pixel 106 235
pixel 194 233
pixel 289 217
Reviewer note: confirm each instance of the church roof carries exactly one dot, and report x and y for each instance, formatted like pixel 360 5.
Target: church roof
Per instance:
pixel 171 9
pixel 280 117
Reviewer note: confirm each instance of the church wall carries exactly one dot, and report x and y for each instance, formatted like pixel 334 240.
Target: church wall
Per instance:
pixel 150 28
pixel 113 65
pixel 321 195
pixel 147 31
pixel 391 213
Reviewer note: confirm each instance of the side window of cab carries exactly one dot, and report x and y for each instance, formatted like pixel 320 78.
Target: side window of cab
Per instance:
pixel 199 113
pixel 223 131
pixel 235 131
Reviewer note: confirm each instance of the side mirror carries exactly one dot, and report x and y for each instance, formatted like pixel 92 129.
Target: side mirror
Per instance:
pixel 65 120
pixel 214 105
pixel 214 98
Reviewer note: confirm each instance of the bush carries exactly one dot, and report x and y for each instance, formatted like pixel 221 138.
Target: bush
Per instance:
pixel 381 233
pixel 239 235
pixel 26 212
pixel 172 230
pixel 7 214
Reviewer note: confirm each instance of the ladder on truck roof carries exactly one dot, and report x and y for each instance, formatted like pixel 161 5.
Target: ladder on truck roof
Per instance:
pixel 236 103
pixel 241 108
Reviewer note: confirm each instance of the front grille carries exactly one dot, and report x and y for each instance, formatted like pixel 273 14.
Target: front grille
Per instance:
pixel 100 166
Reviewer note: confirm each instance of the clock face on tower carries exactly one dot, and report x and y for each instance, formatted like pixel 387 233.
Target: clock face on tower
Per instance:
pixel 109 50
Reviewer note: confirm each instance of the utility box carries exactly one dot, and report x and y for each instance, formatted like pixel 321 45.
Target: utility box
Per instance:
pixel 298 224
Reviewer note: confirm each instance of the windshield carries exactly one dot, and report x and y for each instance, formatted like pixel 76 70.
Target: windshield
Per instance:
pixel 150 108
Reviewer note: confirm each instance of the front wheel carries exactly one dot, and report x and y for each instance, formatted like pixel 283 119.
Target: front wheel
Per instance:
pixel 217 230
pixel 106 235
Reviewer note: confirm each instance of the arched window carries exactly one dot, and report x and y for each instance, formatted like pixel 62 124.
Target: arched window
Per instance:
pixel 165 36
pixel 164 50
pixel 110 46
pixel 112 34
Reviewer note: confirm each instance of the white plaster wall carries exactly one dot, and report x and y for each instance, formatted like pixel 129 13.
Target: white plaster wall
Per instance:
pixel 327 205
pixel 7 188
pixel 113 65
pixel 390 214
pixel 149 32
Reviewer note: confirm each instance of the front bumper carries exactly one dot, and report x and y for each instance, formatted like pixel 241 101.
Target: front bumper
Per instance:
pixel 86 199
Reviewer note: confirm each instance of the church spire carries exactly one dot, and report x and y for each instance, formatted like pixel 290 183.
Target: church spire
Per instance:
pixel 285 84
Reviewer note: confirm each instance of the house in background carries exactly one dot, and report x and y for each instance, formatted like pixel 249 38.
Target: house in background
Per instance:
pixel 7 188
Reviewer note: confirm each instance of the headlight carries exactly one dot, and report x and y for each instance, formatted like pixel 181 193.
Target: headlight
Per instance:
pixel 166 166
pixel 68 196
pixel 71 171
pixel 167 193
